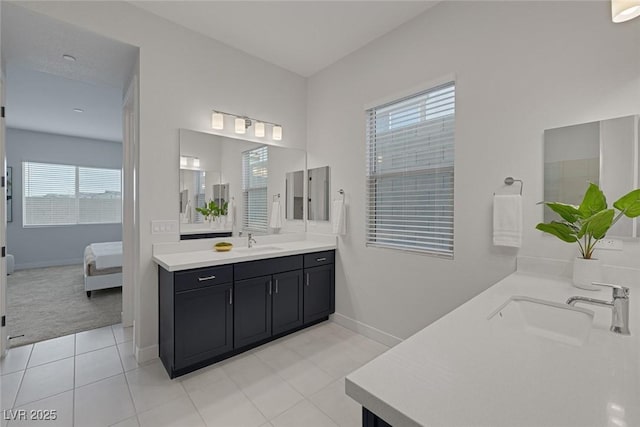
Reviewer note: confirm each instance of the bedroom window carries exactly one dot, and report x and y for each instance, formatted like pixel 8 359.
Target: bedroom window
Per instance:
pixel 55 194
pixel 254 189
pixel 410 170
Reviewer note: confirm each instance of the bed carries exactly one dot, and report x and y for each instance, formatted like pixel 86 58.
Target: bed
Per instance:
pixel 102 266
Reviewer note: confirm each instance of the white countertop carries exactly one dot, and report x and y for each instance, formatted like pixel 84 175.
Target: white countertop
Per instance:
pixel 185 260
pixel 460 372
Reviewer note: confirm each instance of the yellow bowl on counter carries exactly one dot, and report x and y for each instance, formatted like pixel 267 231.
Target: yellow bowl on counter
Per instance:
pixel 223 247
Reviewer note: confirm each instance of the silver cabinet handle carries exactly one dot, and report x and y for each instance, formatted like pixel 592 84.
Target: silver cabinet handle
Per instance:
pixel 203 279
pixel 320 259
pixel 307 279
pixel 270 287
pixel 276 286
pixel 231 296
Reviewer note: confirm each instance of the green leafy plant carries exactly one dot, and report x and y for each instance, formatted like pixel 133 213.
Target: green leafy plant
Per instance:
pixel 210 210
pixel 589 222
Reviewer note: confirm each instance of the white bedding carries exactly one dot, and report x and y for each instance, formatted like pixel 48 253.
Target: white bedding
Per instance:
pixel 108 254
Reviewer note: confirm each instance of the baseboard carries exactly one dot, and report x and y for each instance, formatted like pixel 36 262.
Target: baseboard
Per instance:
pixel 366 330
pixel 54 263
pixel 147 354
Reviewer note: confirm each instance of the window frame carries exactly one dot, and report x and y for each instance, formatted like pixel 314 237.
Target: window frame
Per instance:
pixel 248 190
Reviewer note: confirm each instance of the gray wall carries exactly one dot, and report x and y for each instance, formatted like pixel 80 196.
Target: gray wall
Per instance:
pixel 56 245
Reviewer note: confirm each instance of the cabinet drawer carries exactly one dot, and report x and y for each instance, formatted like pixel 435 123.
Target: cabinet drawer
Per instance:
pixel 266 267
pixel 203 277
pixel 318 258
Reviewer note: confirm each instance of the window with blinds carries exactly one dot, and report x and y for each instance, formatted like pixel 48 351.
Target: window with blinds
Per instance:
pixel 410 171
pixel 254 189
pixel 55 194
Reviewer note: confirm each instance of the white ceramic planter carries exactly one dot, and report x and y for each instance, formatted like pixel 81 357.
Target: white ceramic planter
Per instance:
pixel 586 271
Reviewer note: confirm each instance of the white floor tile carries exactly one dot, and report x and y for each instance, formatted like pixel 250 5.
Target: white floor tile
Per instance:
pixel 16 359
pixel 303 375
pixel 103 403
pixel 221 403
pixel 151 386
pixel 127 357
pixel 58 409
pixel 129 422
pixel 52 350
pixel 45 381
pixel 94 339
pixel 202 378
pixel 9 385
pixel 303 414
pixel 177 413
pixel 334 402
pixel 97 365
pixel 122 334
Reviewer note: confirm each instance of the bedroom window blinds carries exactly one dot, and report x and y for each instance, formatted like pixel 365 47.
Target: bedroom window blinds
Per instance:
pixel 254 189
pixel 55 194
pixel 410 170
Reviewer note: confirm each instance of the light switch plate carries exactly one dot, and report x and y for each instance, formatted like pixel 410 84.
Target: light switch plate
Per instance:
pixel 164 227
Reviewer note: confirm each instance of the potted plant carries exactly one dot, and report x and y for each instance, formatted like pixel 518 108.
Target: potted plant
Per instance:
pixel 586 225
pixel 210 211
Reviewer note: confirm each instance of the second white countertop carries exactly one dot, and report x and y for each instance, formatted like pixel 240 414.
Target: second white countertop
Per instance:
pixel 460 372
pixel 209 257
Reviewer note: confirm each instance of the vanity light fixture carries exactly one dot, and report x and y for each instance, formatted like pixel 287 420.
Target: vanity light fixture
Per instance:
pixel 277 133
pixel 624 10
pixel 242 123
pixel 183 161
pixel 69 58
pixel 217 120
pixel 78 110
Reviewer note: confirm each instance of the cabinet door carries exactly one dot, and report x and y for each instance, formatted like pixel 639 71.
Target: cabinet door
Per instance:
pixel 252 311
pixel 287 301
pixel 319 292
pixel 203 324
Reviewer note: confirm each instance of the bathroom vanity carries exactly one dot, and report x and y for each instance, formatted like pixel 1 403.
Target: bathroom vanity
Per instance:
pixel 515 355
pixel 215 305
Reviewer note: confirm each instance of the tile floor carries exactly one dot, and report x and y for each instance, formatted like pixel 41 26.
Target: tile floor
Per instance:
pixel 92 379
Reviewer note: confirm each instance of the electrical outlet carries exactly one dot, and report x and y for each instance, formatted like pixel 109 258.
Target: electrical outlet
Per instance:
pixel 164 227
pixel 610 245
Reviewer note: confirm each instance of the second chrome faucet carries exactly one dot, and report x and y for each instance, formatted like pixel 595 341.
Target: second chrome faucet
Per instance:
pixel 619 306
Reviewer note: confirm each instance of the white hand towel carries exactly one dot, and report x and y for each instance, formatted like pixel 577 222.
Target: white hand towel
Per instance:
pixel 507 220
pixel 276 216
pixel 231 210
pixel 339 217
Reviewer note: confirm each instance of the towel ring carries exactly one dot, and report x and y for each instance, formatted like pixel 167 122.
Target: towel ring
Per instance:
pixel 510 180
pixel 341 192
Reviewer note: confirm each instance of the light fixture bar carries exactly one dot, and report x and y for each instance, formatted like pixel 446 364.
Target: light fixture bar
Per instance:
pixel 241 123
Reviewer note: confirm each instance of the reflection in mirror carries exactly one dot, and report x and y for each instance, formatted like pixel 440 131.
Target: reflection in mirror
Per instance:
pixel 603 152
pixel 240 175
pixel 318 191
pixel 295 195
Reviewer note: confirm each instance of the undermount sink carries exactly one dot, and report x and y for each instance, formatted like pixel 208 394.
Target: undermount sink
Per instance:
pixel 547 319
pixel 258 249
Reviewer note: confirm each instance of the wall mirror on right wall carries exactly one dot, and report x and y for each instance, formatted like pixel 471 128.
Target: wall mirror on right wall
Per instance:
pixel 604 152
pixel 318 191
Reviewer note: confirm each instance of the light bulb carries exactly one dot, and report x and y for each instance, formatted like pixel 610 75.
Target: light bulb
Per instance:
pixel 259 129
pixel 240 125
pixel 277 133
pixel 217 120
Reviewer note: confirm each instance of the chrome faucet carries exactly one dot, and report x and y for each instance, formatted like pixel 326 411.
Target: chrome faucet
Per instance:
pixel 619 306
pixel 250 240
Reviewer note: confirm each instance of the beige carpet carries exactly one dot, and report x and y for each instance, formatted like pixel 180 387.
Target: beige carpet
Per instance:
pixel 44 303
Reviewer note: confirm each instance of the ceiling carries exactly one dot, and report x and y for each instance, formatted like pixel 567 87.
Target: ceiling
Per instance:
pixel 300 36
pixel 42 88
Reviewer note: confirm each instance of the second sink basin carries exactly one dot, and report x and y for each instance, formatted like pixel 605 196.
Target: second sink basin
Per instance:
pixel 547 319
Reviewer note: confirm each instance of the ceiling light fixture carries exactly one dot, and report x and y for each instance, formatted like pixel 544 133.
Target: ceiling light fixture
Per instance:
pixel 78 110
pixel 69 58
pixel 624 10
pixel 242 123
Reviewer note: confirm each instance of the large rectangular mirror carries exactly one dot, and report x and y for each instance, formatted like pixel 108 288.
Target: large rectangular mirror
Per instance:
pixel 318 191
pixel 603 152
pixel 295 195
pixel 246 181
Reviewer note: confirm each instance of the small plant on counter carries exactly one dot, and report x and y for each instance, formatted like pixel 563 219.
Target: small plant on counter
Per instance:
pixel 589 222
pixel 210 210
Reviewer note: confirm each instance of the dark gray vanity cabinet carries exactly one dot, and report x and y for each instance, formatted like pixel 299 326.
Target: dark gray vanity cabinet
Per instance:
pixel 319 286
pixel 209 314
pixel 252 313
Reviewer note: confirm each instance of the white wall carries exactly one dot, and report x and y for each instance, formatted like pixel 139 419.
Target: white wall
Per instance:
pixel 183 76
pixel 59 245
pixel 520 68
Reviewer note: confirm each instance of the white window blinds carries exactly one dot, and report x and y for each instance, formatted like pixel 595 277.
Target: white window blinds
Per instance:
pixel 410 171
pixel 254 189
pixel 56 194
